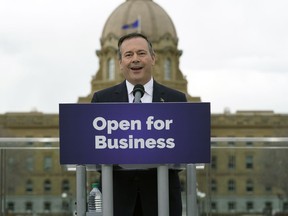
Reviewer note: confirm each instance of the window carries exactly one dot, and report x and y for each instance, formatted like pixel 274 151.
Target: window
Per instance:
pixel 213 185
pixel 30 164
pixel 231 185
pixel 249 162
pixel 231 206
pixel 29 206
pixel 268 188
pixel 268 208
pixel 167 69
pixel 47 163
pixel 231 162
pixel 11 206
pixel 65 185
pixel 111 69
pixel 29 186
pixel 268 205
pixel 213 206
pixel 249 143
pixel 47 185
pixel 249 206
pixel 249 186
pixel 47 206
pixel 230 143
pixel 285 206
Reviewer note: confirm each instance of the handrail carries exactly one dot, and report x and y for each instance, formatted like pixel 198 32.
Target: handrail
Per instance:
pixel 213 139
pixel 5 142
pixel 29 139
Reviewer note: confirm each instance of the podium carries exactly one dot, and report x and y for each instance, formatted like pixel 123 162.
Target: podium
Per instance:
pixel 160 135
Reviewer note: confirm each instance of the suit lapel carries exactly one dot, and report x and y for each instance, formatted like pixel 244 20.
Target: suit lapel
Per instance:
pixel 158 93
pixel 120 93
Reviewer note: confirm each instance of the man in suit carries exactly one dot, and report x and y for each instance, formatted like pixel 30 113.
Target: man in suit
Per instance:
pixel 135 190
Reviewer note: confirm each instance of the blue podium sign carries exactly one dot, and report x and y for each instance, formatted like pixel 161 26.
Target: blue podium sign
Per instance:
pixel 140 133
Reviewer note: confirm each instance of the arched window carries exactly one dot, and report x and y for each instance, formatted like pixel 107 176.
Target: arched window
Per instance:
pixel 111 69
pixel 167 69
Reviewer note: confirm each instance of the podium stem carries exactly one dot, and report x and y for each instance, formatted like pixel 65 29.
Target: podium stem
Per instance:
pixel 81 190
pixel 107 189
pixel 163 190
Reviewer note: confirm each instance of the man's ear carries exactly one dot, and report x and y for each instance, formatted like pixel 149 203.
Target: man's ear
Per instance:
pixel 153 59
pixel 120 65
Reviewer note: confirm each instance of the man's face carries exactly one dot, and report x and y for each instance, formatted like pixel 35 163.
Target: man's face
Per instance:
pixel 136 61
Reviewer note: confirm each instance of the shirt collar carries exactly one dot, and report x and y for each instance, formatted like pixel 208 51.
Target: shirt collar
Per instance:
pixel 129 87
pixel 148 87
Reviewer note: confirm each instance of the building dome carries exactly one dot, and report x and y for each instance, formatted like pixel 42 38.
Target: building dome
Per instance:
pixel 148 18
pixel 152 20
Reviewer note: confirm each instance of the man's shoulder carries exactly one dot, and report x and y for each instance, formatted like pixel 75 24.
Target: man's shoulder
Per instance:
pixel 171 95
pixel 168 89
pixel 110 94
pixel 110 89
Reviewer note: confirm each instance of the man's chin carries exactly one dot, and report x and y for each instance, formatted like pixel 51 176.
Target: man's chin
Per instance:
pixel 138 77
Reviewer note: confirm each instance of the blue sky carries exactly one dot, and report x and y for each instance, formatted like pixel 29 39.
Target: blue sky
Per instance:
pixel 234 52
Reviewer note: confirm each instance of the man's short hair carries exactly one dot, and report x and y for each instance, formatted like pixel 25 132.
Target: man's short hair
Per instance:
pixel 134 35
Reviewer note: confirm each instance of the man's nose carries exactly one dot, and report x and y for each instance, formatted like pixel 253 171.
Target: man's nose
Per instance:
pixel 135 58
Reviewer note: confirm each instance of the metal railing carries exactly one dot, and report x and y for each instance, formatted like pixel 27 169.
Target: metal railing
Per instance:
pixel 217 143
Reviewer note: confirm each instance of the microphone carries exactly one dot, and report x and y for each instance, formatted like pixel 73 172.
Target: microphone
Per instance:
pixel 138 92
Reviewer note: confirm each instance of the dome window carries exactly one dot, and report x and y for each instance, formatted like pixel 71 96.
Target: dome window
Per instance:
pixel 111 69
pixel 167 69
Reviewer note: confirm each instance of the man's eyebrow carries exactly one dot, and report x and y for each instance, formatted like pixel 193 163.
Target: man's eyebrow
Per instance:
pixel 140 50
pixel 127 52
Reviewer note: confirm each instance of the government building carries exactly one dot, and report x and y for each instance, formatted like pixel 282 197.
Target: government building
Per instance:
pixel 248 170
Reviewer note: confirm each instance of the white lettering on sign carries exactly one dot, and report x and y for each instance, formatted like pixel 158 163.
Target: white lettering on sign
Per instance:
pixel 158 124
pixel 100 123
pixel 101 142
pixel 110 126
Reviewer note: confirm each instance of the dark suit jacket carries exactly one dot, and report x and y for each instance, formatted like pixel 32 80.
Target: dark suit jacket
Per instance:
pixel 128 184
pixel 118 93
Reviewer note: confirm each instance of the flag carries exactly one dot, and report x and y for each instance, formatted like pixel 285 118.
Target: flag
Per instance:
pixel 133 25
